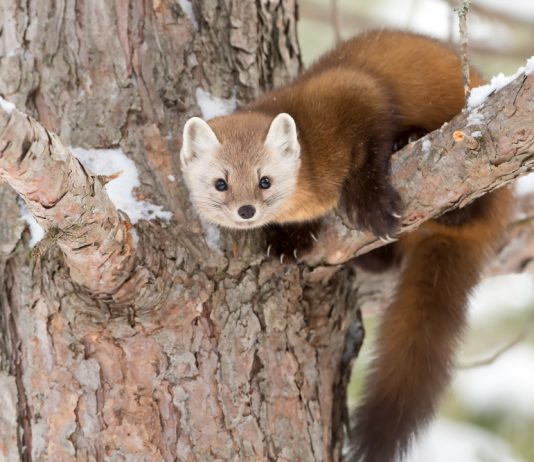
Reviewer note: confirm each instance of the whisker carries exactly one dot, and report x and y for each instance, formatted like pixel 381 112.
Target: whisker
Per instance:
pixel 276 198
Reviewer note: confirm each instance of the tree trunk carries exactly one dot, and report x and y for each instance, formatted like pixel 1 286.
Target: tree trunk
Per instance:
pixel 204 353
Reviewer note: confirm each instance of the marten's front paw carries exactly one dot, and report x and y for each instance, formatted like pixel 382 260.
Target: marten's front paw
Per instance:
pixel 382 217
pixel 289 242
pixel 378 211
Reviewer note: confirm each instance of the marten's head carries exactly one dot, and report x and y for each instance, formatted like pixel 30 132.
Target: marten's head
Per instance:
pixel 240 169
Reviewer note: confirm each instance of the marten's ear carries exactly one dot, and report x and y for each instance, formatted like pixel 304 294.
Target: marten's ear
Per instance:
pixel 198 139
pixel 282 136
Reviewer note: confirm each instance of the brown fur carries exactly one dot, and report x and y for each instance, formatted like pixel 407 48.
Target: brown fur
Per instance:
pixel 420 329
pixel 343 117
pixel 351 108
pixel 336 93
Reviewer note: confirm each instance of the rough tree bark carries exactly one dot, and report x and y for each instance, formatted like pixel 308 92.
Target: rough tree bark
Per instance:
pixel 164 348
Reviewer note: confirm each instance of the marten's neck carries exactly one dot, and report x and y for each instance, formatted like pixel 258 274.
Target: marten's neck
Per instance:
pixel 340 115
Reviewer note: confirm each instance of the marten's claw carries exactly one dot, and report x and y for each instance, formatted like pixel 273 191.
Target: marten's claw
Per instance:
pixel 388 239
pixel 291 240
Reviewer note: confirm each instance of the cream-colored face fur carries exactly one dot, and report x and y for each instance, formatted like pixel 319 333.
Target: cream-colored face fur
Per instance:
pixel 260 172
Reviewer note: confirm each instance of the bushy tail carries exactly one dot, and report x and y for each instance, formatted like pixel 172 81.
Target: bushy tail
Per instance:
pixel 420 329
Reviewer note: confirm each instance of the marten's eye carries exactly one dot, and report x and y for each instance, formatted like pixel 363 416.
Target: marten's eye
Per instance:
pixel 265 183
pixel 221 185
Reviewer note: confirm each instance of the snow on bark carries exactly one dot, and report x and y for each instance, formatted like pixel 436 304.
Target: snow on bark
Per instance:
pixel 36 230
pixel 479 95
pixel 211 106
pixel 121 182
pixel 6 106
pixel 68 202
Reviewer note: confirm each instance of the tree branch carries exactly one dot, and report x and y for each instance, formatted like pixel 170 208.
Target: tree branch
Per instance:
pixel 68 202
pixel 462 11
pixel 491 14
pixel 515 256
pixel 334 13
pixel 438 174
pixel 101 253
pixel 500 351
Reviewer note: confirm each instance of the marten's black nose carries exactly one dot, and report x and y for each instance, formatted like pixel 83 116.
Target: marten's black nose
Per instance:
pixel 246 211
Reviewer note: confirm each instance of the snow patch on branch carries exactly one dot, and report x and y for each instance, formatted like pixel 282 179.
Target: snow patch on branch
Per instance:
pixel 479 94
pixel 6 105
pixel 475 118
pixel 213 106
pixel 36 231
pixel 113 162
pixel 426 145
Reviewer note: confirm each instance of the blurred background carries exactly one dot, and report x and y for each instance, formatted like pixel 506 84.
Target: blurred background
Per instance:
pixel 488 414
pixel 501 32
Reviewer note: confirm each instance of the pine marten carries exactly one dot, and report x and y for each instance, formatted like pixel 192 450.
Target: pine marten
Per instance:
pixel 301 150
